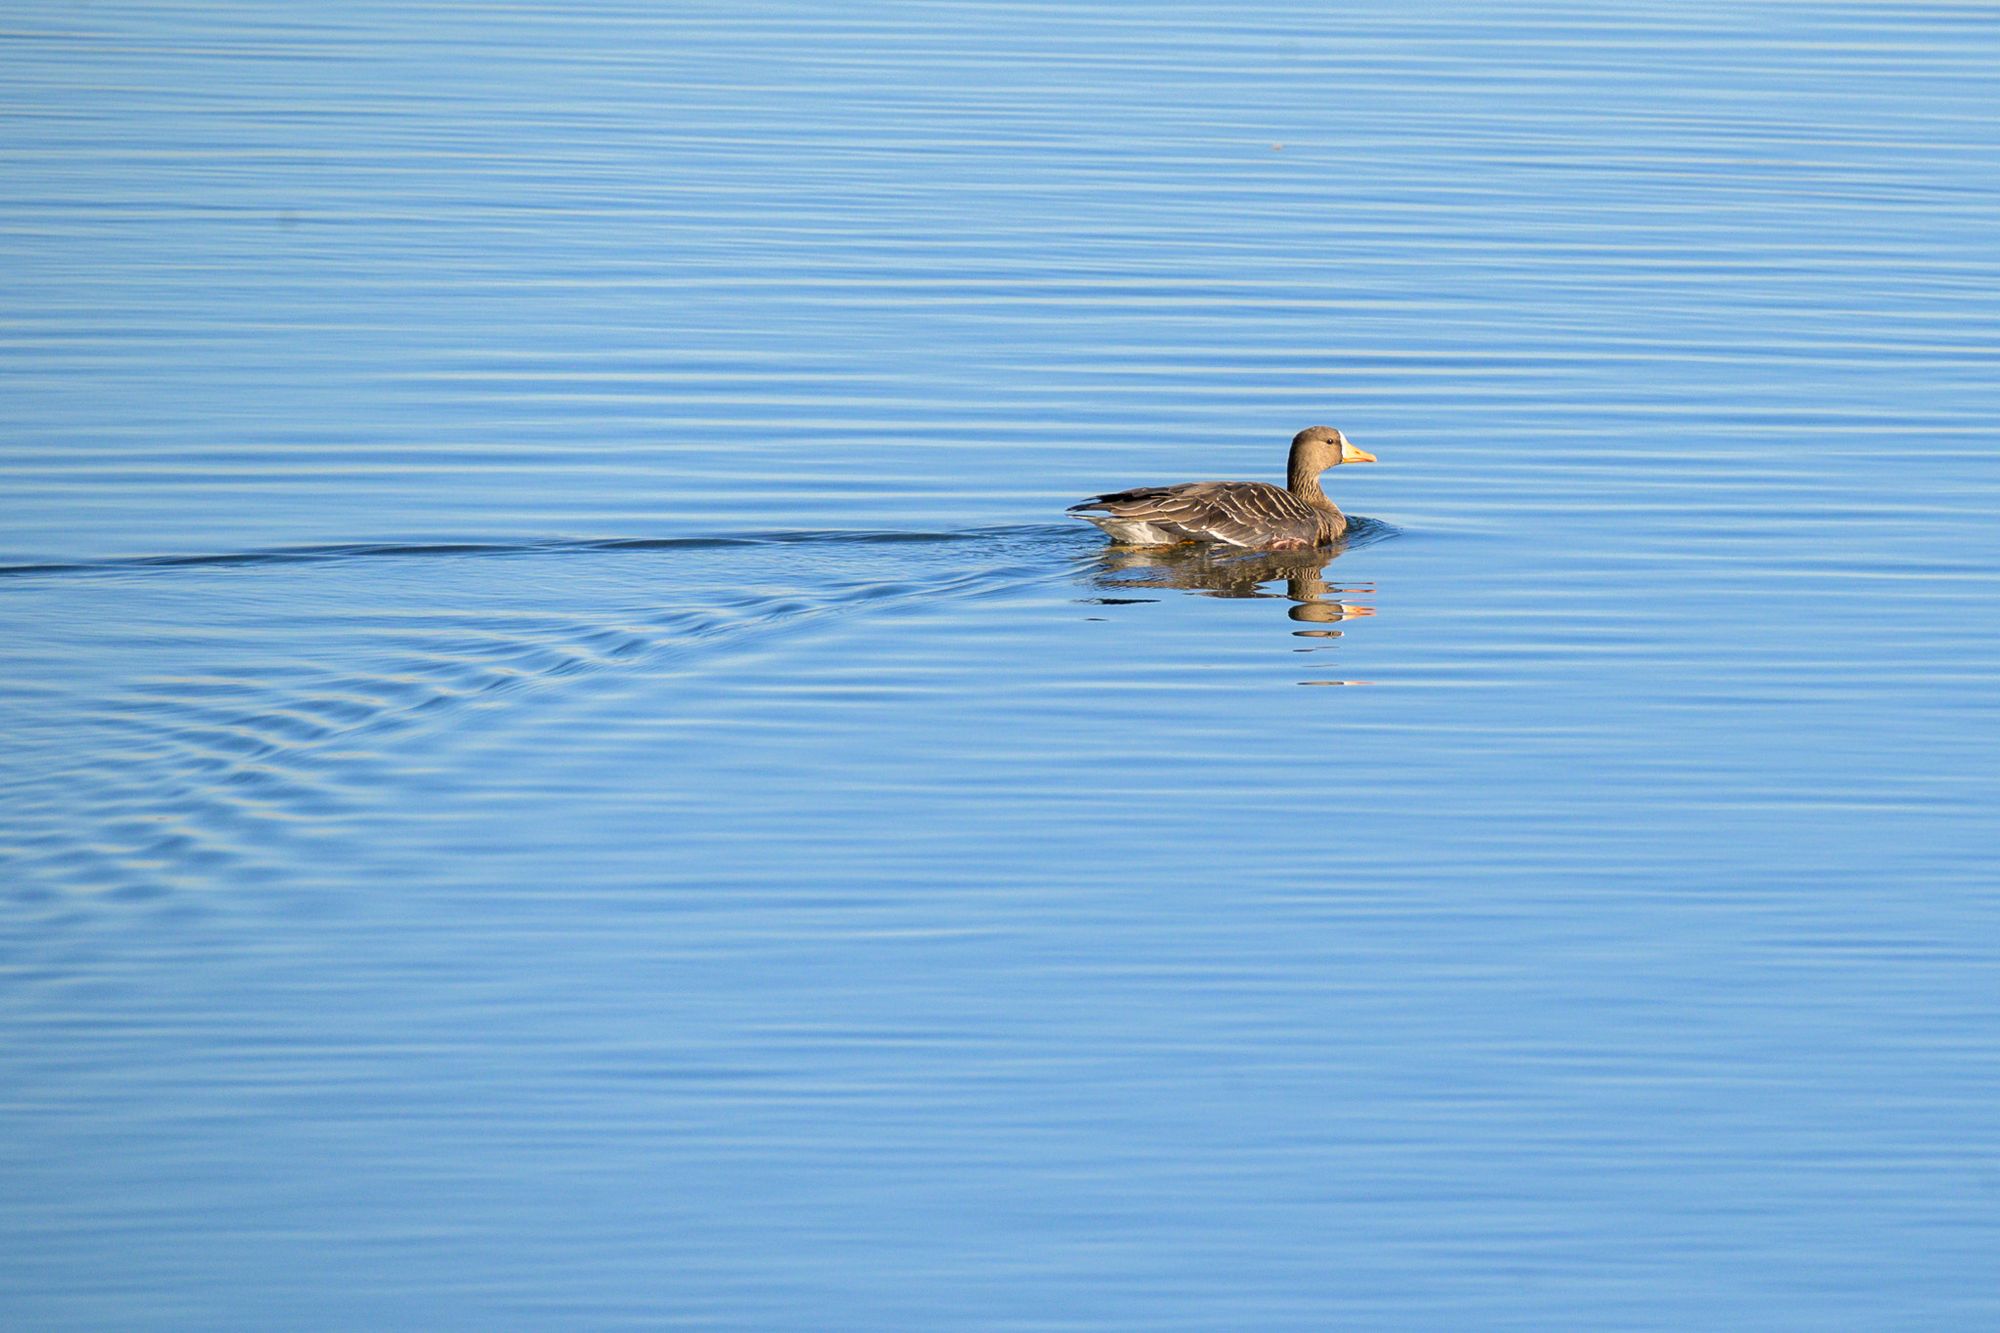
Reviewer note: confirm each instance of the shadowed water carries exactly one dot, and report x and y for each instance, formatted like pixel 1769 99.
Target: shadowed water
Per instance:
pixel 560 764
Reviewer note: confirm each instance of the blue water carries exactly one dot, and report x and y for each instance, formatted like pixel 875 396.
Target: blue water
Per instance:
pixel 560 765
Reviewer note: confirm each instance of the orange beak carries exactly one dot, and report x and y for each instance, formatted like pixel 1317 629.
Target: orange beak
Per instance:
pixel 1349 454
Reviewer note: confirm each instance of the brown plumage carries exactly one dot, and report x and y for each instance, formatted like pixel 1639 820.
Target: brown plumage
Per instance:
pixel 1235 513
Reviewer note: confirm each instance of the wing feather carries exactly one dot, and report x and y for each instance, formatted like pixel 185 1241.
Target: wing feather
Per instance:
pixel 1236 513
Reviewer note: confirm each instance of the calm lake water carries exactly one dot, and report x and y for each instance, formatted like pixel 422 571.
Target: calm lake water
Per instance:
pixel 560 765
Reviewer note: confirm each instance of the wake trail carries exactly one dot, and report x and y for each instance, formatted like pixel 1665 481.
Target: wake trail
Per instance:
pixel 353 551
pixel 232 757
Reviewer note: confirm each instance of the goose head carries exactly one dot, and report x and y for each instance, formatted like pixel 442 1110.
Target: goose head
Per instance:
pixel 1317 448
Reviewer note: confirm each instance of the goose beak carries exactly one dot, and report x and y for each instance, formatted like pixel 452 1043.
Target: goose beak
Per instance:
pixel 1349 454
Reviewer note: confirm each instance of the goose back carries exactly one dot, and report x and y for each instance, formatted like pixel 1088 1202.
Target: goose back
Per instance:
pixel 1232 513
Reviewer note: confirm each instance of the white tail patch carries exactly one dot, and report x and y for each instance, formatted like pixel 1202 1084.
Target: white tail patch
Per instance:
pixel 1131 531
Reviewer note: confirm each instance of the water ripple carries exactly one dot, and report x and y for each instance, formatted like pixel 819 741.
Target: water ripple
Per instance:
pixel 294 555
pixel 285 727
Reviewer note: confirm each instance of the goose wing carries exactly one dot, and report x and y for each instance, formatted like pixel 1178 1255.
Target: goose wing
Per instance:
pixel 1234 513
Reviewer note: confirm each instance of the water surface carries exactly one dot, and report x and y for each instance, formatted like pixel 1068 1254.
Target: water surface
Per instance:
pixel 563 767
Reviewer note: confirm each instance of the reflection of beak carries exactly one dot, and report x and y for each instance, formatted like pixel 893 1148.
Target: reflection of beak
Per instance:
pixel 1349 454
pixel 1327 613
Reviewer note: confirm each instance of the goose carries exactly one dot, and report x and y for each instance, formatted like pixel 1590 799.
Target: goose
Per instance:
pixel 1252 514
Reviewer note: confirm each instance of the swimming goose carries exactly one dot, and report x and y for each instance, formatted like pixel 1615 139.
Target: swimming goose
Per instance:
pixel 1235 513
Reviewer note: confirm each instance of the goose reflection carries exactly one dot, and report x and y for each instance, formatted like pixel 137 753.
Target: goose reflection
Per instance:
pixel 1297 577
